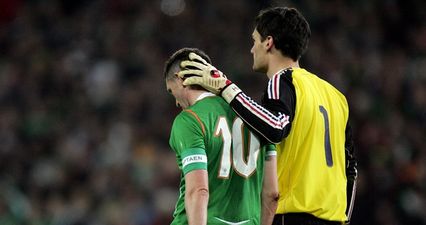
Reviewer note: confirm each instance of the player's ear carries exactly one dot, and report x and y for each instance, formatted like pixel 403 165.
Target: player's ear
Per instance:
pixel 269 42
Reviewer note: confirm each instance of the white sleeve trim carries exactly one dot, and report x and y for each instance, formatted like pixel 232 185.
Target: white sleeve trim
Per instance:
pixel 271 153
pixel 198 158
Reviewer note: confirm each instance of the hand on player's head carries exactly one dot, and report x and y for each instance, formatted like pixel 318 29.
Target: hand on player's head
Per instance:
pixel 195 66
pixel 197 71
pixel 194 57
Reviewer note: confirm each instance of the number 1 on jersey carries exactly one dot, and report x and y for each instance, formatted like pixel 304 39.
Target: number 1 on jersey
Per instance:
pixel 327 145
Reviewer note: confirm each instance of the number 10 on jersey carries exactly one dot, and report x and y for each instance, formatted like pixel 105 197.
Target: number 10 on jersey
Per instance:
pixel 233 153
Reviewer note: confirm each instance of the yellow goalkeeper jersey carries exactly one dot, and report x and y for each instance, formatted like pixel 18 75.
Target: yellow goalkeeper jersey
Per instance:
pixel 311 159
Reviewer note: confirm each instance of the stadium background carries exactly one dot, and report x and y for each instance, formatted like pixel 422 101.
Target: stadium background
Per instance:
pixel 85 117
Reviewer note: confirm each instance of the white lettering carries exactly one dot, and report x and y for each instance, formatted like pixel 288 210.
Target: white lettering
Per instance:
pixel 194 159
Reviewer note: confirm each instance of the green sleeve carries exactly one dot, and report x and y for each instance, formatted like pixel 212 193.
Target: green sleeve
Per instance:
pixel 187 140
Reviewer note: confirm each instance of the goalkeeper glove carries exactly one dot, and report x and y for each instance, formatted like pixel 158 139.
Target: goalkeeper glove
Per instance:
pixel 197 71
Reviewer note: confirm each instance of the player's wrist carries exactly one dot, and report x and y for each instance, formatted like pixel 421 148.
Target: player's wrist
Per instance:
pixel 230 91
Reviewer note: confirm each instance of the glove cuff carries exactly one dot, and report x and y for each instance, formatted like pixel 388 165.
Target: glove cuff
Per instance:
pixel 230 91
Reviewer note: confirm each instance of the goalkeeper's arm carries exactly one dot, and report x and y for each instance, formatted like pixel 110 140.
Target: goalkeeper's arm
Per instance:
pixel 351 172
pixel 271 123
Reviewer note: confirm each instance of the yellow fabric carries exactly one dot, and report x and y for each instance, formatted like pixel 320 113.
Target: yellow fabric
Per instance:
pixel 306 183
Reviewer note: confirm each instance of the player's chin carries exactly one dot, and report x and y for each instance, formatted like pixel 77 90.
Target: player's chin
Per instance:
pixel 256 68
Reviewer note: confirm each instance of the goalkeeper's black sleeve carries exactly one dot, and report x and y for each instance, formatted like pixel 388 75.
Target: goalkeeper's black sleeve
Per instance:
pixel 272 119
pixel 351 171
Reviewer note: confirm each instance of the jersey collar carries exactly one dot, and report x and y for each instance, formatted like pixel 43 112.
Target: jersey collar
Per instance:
pixel 204 95
pixel 283 71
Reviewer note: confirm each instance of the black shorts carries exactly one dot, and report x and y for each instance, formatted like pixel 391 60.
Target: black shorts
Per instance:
pixel 301 219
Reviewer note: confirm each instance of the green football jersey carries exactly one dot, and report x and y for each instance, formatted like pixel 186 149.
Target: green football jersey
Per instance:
pixel 209 136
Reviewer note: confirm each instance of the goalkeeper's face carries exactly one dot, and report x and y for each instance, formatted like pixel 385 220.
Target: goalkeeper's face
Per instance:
pixel 180 93
pixel 259 51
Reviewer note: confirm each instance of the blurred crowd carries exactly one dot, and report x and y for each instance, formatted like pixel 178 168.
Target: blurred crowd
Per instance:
pixel 85 117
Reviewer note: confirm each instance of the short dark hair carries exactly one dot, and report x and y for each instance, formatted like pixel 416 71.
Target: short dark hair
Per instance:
pixel 287 27
pixel 172 65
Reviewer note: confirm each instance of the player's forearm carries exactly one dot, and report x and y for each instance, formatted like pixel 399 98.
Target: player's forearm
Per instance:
pixel 269 207
pixel 196 202
pixel 270 194
pixel 271 125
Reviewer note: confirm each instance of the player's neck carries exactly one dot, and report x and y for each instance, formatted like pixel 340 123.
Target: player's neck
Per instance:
pixel 278 63
pixel 197 95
